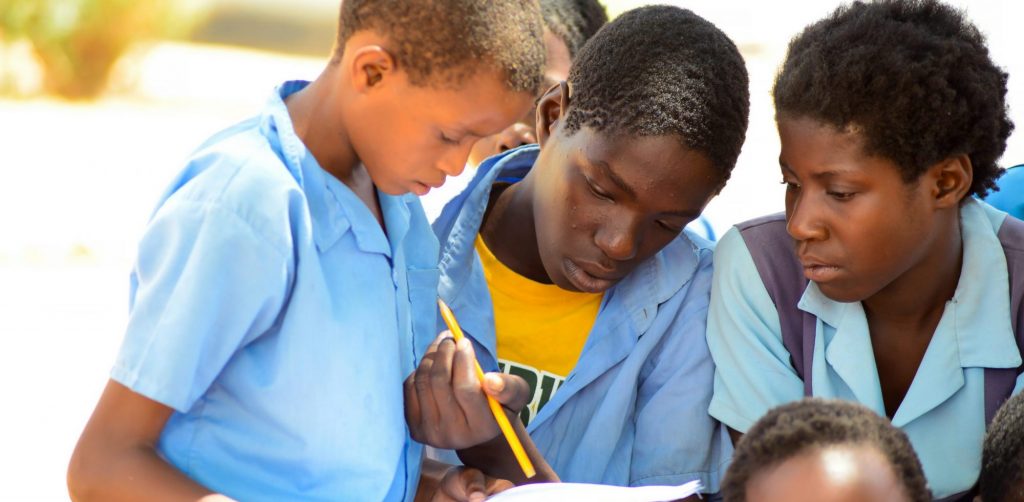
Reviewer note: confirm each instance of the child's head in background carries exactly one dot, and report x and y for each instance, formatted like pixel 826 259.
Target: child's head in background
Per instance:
pixel 568 24
pixel 1002 459
pixel 824 451
pixel 420 82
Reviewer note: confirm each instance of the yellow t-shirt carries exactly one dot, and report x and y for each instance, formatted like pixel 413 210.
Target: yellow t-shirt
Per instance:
pixel 540 328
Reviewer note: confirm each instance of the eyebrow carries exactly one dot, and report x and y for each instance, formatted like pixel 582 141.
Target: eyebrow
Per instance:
pixel 818 176
pixel 607 170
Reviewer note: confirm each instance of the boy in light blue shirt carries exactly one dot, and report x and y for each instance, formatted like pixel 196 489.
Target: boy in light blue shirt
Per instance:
pixel 287 272
pixel 645 132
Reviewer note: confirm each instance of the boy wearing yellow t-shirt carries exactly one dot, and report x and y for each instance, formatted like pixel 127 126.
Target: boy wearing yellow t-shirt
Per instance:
pixel 569 259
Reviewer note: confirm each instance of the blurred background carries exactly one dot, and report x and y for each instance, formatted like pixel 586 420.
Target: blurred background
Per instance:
pixel 100 102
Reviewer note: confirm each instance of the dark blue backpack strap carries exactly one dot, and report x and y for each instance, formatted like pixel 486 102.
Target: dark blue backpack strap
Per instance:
pixel 999 382
pixel 771 248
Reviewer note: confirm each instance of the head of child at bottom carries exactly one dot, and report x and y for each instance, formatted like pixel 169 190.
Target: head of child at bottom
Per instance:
pixel 1002 458
pixel 415 84
pixel 885 108
pixel 644 133
pixel 824 451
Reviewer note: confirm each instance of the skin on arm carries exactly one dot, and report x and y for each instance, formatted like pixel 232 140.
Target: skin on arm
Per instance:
pixel 116 458
pixel 445 407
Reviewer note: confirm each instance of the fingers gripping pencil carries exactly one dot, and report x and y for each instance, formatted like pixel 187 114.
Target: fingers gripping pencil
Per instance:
pixel 496 409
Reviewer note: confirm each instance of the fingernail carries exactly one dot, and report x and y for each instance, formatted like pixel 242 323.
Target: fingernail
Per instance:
pixel 494 382
pixel 463 344
pixel 477 497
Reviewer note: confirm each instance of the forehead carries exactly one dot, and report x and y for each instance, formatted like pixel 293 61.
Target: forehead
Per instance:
pixel 480 101
pixel 558 60
pixel 651 166
pixel 838 473
pixel 816 148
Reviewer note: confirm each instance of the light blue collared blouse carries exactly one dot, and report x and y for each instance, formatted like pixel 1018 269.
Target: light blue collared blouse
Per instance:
pixel 271 311
pixel 943 412
pixel 634 409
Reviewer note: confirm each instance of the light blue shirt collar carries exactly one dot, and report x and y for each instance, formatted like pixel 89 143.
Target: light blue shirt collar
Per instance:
pixel 974 330
pixel 324 191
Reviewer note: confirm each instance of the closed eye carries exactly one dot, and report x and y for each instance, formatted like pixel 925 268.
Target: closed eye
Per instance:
pixel 841 196
pixel 598 192
pixel 675 229
pixel 448 140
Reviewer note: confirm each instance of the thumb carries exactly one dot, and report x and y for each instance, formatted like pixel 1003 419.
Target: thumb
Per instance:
pixel 511 391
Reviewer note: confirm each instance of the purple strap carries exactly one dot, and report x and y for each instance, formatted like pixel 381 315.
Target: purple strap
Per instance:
pixel 771 248
pixel 999 382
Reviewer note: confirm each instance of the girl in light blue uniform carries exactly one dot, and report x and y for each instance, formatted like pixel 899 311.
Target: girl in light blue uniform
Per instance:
pixel 886 282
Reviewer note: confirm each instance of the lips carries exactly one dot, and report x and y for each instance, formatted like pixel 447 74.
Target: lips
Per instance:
pixel 818 270
pixel 587 277
pixel 421 187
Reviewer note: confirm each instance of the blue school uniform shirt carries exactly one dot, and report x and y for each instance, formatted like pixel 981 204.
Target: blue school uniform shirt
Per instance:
pixel 633 411
pixel 943 412
pixel 1010 197
pixel 273 314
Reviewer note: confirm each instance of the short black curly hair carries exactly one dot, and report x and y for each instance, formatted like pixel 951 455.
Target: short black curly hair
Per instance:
pixel 914 75
pixel 663 70
pixel 573 21
pixel 810 424
pixel 443 42
pixel 1002 458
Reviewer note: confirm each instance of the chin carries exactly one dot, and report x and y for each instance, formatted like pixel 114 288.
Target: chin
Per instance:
pixel 841 295
pixel 392 188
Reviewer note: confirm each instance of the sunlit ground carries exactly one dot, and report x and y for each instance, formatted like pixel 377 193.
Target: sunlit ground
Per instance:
pixel 78 182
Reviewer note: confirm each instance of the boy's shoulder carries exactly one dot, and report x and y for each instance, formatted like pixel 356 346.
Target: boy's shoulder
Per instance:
pixel 238 171
pixel 241 163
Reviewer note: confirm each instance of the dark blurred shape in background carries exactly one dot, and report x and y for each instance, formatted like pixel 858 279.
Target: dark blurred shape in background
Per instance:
pixel 297 27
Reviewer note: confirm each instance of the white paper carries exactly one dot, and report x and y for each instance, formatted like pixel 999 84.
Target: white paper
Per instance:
pixel 566 492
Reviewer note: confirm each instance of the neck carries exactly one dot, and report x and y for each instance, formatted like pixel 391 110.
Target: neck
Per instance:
pixel 322 130
pixel 917 298
pixel 509 232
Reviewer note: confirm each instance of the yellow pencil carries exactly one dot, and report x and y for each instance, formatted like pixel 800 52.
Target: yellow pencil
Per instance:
pixel 496 409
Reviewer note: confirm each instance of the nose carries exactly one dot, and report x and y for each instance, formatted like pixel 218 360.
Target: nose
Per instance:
pixel 620 239
pixel 803 220
pixel 453 162
pixel 516 135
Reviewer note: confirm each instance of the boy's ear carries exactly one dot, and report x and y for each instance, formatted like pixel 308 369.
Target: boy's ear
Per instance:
pixel 371 66
pixel 952 179
pixel 551 110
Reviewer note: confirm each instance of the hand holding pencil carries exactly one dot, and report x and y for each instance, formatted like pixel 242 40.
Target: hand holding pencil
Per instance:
pixel 451 404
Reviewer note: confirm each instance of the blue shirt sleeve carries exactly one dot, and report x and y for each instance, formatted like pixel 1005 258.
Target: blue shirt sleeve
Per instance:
pixel 752 369
pixel 673 397
pixel 205 283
